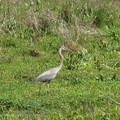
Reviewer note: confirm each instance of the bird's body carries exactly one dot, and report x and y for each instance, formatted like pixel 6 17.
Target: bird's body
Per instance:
pixel 47 75
pixel 50 74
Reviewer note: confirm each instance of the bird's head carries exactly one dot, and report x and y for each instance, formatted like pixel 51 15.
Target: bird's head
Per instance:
pixel 64 48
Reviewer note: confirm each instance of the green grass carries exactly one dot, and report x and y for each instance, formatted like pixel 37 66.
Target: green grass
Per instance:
pixel 87 87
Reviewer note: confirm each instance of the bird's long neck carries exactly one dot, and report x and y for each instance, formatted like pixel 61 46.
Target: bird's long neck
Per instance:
pixel 61 58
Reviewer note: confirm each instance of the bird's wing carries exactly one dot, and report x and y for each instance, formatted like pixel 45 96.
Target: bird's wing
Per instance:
pixel 47 75
pixel 50 71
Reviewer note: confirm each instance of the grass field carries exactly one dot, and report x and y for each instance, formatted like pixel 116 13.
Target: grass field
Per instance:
pixel 88 85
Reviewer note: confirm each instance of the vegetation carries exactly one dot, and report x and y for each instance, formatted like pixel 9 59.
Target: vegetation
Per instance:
pixel 87 87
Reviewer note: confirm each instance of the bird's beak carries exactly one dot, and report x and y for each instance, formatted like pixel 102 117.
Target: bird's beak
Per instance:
pixel 68 49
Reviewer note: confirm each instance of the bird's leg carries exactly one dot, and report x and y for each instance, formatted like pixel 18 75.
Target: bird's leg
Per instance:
pixel 40 89
pixel 48 86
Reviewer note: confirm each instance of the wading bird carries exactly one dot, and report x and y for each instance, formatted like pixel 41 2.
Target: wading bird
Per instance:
pixel 50 74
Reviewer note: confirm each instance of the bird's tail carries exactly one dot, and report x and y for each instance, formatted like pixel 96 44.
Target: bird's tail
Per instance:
pixel 34 80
